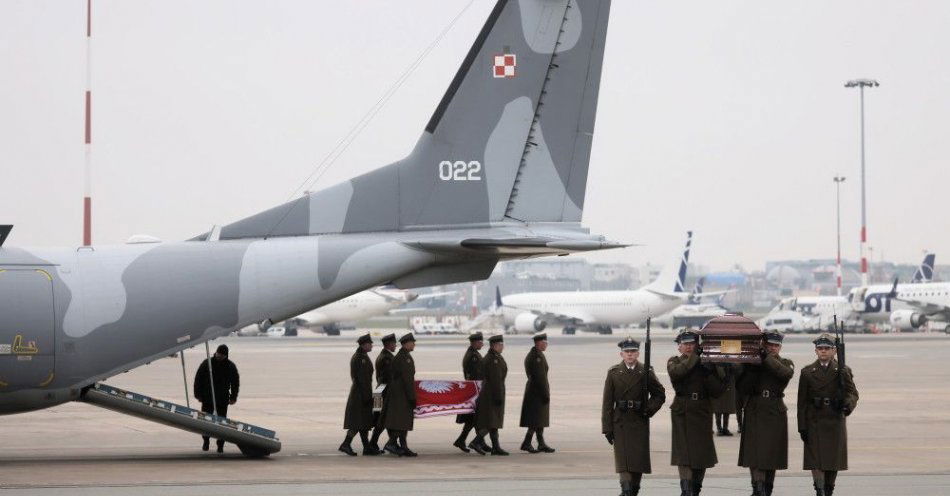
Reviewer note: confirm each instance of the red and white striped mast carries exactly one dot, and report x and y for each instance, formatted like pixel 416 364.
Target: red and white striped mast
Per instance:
pixel 861 84
pixel 87 190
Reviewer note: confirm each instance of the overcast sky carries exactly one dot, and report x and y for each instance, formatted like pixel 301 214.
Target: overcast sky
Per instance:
pixel 728 118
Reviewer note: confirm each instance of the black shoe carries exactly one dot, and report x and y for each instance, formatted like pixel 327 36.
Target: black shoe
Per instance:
pixel 543 448
pixel 526 446
pixel 725 432
pixel 345 448
pixel 391 447
pixel 220 448
pixel 375 447
pixel 206 445
pixel 478 447
pixel 369 450
pixel 408 452
pixel 460 444
pixel 720 432
pixel 499 452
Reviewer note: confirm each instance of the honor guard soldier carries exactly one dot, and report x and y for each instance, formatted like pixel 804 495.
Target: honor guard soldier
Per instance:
pixel 725 404
pixel 470 370
pixel 695 384
pixel 537 396
pixel 763 448
pixel 631 396
pixel 826 396
pixel 359 405
pixel 490 412
pixel 402 398
pixel 384 373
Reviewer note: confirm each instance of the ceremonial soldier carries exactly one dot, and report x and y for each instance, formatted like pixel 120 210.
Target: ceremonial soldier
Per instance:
pixel 402 398
pixel 359 405
pixel 470 370
pixel 764 445
pixel 490 412
pixel 384 365
pixel 695 384
pixel 537 396
pixel 625 414
pixel 826 396
pixel 725 404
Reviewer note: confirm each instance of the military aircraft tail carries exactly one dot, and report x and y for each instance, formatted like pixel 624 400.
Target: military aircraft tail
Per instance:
pixel 509 141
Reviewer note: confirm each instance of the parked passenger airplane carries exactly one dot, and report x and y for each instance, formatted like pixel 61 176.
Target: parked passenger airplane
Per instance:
pixel 906 307
pixel 599 310
pixel 499 172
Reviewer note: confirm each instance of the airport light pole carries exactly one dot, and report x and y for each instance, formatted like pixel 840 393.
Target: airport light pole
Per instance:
pixel 861 84
pixel 838 180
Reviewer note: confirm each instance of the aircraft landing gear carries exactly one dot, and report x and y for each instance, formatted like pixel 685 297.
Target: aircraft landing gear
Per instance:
pixel 331 330
pixel 604 330
pixel 569 331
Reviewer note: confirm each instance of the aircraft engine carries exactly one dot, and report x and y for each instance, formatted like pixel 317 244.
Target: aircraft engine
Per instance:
pixel 907 320
pixel 529 322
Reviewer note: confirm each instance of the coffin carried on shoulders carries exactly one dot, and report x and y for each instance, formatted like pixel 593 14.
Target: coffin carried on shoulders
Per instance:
pixel 731 338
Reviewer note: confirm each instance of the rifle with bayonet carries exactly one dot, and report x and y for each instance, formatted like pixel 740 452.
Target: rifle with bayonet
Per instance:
pixel 839 346
pixel 645 400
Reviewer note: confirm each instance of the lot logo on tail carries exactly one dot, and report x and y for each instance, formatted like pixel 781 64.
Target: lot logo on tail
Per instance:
pixel 505 65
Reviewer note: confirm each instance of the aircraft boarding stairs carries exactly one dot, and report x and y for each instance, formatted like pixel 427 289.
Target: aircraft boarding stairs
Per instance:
pixel 252 440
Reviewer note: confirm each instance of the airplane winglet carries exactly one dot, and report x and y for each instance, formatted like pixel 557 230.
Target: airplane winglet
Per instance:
pixel 4 232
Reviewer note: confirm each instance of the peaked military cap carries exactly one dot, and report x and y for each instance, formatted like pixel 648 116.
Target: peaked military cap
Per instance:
pixel 540 337
pixel 824 340
pixel 365 338
pixel 477 336
pixel 405 339
pixel 629 345
pixel 498 338
pixel 774 337
pixel 687 336
pixel 389 338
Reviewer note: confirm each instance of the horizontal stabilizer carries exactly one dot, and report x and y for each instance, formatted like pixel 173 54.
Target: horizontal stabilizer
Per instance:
pixel 516 246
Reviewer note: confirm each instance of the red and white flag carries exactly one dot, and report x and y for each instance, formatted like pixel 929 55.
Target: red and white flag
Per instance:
pixel 434 398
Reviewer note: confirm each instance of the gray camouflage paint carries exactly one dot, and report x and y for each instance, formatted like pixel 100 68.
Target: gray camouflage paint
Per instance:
pixel 94 312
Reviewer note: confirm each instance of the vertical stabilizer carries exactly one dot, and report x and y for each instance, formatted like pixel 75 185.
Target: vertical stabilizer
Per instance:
pixel 672 280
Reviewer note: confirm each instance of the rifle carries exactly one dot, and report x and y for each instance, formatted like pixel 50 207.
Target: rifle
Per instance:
pixel 839 346
pixel 646 377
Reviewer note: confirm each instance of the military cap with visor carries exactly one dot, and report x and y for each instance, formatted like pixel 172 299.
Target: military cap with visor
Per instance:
pixel 687 336
pixel 389 338
pixel 773 337
pixel 498 338
pixel 629 345
pixel 477 336
pixel 824 340
pixel 365 338
pixel 406 338
pixel 540 337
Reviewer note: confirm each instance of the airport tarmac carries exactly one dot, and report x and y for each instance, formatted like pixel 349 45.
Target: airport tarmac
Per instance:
pixel 899 434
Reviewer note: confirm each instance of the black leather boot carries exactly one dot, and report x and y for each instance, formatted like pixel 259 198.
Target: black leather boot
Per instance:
pixel 829 489
pixel 626 488
pixel 697 487
pixel 767 487
pixel 819 490
pixel 686 488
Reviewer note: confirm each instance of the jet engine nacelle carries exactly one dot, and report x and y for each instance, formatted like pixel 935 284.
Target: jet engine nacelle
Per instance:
pixel 529 322
pixel 907 320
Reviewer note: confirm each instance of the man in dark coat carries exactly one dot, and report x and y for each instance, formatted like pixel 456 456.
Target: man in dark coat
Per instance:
pixel 359 405
pixel 764 445
pixel 695 384
pixel 823 408
pixel 490 412
pixel 626 412
pixel 537 396
pixel 470 370
pixel 725 404
pixel 226 384
pixel 384 373
pixel 402 398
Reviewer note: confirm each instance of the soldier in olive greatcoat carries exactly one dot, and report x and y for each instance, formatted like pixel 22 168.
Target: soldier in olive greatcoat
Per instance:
pixel 490 411
pixel 359 405
pixel 695 384
pixel 384 373
pixel 402 398
pixel 625 413
pixel 764 445
pixel 535 407
pixel 470 370
pixel 823 408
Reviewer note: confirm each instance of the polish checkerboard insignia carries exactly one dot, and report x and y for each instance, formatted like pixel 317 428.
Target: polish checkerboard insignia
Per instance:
pixel 504 65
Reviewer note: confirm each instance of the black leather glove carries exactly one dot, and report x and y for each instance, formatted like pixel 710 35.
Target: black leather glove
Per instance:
pixel 610 437
pixel 763 353
pixel 804 435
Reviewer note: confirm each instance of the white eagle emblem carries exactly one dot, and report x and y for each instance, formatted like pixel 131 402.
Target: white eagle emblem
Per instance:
pixel 435 386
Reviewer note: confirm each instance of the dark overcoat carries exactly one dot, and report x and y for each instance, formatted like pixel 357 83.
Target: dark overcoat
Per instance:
pixel 820 399
pixel 726 402
pixel 470 371
pixel 691 411
pixel 227 383
pixel 384 372
pixel 490 412
pixel 537 392
pixel 402 393
pixel 630 427
pixel 764 443
pixel 359 405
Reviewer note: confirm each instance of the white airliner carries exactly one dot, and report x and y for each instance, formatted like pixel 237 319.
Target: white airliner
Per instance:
pixel 598 310
pixel 905 307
